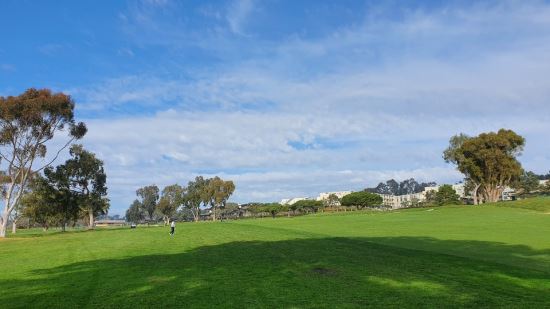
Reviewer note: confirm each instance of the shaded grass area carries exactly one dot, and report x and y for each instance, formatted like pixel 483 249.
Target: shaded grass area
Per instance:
pixel 450 257
pixel 307 273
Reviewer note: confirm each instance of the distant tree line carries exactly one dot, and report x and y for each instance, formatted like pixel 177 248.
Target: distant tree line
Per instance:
pixel 181 201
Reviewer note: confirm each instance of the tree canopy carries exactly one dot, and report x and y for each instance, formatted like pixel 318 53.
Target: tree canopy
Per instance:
pixel 362 199
pixel 488 160
pixel 27 123
pixel 446 195
pixel 149 197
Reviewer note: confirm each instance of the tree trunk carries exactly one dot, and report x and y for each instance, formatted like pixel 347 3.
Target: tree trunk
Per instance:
pixel 474 194
pixel 4 223
pixel 214 214
pixel 14 227
pixel 91 216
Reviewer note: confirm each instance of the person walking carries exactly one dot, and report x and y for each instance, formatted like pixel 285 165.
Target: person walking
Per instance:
pixel 172 228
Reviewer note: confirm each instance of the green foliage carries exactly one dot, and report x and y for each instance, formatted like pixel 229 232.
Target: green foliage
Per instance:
pixel 27 123
pixel 446 195
pixel 217 192
pixel 307 206
pixel 271 208
pixel 89 180
pixel 195 195
pixel 37 204
pixel 488 160
pixel 332 201
pixel 172 198
pixel 362 199
pixel 149 197
pixel 135 213
pixel 527 183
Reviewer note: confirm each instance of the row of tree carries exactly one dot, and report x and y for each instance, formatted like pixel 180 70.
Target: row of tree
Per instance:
pixel 355 200
pixel 201 193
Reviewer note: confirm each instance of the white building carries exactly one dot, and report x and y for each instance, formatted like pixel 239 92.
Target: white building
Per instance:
pixel 408 200
pixel 402 201
pixel 290 201
pixel 324 196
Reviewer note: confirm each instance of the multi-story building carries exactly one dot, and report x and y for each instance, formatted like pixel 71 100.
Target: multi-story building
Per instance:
pixel 324 196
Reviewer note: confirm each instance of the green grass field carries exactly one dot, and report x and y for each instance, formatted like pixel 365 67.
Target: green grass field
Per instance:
pixel 459 256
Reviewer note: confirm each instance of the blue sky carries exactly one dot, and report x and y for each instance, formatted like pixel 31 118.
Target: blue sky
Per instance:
pixel 286 98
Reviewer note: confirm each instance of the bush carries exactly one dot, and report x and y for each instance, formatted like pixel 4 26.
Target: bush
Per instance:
pixel 362 199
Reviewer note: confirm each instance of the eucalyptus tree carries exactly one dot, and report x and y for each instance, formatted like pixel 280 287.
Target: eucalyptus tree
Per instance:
pixel 88 179
pixel 135 213
pixel 149 199
pixel 489 160
pixel 195 195
pixel 218 192
pixel 28 123
pixel 170 201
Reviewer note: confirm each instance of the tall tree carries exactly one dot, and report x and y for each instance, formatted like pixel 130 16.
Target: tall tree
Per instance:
pixel 149 198
pixel 171 200
pixel 489 160
pixel 218 192
pixel 195 195
pixel 88 179
pixel 455 154
pixel 37 203
pixel 61 194
pixel 27 123
pixel 135 213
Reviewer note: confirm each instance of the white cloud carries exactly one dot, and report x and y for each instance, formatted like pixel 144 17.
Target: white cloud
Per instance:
pixel 363 104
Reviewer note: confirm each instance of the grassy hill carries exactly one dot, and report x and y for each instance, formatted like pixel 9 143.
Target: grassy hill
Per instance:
pixel 489 256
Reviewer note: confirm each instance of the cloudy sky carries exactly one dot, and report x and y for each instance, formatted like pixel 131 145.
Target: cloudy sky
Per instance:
pixel 286 98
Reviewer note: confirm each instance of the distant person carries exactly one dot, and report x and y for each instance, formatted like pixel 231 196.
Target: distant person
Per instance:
pixel 172 228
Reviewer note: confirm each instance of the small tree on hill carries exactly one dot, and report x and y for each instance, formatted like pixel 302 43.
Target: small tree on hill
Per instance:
pixel 446 195
pixel 332 201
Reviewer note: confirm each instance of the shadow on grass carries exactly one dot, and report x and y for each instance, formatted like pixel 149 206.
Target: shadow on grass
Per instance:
pixel 301 273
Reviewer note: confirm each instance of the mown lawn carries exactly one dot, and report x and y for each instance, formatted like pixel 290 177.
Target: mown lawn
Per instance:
pixel 460 256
